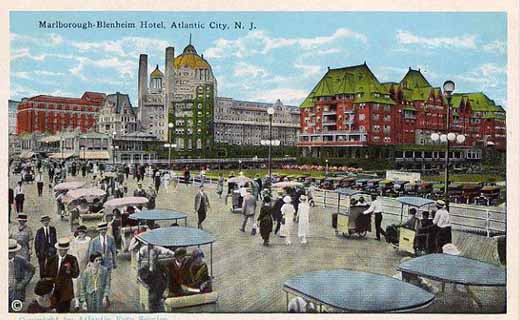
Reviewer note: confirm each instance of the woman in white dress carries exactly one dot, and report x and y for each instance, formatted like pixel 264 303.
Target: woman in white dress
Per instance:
pixel 287 219
pixel 166 177
pixel 303 219
pixel 79 248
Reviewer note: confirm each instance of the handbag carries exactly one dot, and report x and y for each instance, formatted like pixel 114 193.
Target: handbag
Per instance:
pixel 254 229
pixel 283 220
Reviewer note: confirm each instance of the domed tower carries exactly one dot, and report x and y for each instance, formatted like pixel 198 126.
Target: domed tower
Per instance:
pixel 193 105
pixel 156 80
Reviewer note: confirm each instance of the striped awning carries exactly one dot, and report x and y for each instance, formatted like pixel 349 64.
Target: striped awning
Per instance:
pixel 61 155
pixel 94 155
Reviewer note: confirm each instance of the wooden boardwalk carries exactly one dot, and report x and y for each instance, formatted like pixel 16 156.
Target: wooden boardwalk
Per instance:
pixel 249 276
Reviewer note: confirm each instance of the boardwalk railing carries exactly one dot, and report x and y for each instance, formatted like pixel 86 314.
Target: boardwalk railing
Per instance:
pixel 483 220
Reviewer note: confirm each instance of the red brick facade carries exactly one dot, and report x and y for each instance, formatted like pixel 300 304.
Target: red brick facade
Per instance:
pixel 54 114
pixel 393 113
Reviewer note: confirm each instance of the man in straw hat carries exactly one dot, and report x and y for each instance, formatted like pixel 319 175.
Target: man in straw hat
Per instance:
pixel 442 221
pixel 106 245
pixel 23 234
pixel 44 243
pixel 20 273
pixel 61 269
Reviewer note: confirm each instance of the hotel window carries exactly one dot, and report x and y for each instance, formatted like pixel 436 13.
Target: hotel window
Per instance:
pixel 376 128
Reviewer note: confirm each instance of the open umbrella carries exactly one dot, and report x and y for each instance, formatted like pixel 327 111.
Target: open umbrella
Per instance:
pixel 110 205
pixel 69 185
pixel 88 194
pixel 287 184
pixel 240 180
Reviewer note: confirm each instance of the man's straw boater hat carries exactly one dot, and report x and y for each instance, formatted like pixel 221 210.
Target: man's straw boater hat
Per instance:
pixel 14 246
pixel 44 218
pixel 63 243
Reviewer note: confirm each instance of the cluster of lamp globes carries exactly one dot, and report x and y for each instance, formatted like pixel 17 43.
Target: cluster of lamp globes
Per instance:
pixel 448 87
pixel 448 137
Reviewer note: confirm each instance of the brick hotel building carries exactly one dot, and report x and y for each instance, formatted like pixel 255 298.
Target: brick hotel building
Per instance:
pixel 49 114
pixel 349 110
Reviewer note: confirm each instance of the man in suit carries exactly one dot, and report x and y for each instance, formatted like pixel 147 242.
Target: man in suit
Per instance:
pixel 44 243
pixel 106 245
pixel 61 269
pixel 248 209
pixel 201 205
pixel 139 192
pixel 20 273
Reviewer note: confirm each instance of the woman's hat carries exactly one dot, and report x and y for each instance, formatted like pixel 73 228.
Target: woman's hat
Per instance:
pixel 102 226
pixel 303 197
pixel 45 218
pixel 287 199
pixel 43 287
pixel 63 243
pixel 14 246
pixel 21 217
pixel 81 228
pixel 440 203
pixel 451 249
pixel 196 253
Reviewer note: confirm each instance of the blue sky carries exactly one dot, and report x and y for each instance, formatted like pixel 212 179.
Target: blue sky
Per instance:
pixel 284 57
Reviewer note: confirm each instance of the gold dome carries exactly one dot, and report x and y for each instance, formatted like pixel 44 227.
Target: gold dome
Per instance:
pixel 156 73
pixel 189 58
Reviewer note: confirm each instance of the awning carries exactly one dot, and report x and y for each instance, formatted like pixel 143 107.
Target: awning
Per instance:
pixel 94 155
pixel 50 139
pixel 61 155
pixel 26 154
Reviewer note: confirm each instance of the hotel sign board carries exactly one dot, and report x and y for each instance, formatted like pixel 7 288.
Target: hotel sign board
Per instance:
pixel 403 176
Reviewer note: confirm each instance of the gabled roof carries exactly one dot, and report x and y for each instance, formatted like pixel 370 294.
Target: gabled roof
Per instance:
pixel 119 100
pixel 357 79
pixel 414 79
pixel 478 100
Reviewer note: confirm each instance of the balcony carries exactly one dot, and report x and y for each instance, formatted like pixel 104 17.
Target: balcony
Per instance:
pixel 329 113
pixel 329 123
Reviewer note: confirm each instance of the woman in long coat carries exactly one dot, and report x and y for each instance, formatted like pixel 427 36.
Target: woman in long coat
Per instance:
pixel 95 285
pixel 265 220
pixel 287 219
pixel 303 219
pixel 79 249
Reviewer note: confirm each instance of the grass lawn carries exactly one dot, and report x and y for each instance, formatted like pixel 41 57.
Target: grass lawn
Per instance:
pixel 465 178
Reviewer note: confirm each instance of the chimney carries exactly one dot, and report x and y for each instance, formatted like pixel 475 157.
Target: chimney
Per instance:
pixel 142 84
pixel 169 81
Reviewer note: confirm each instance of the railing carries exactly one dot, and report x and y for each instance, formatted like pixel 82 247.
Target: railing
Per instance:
pixel 484 220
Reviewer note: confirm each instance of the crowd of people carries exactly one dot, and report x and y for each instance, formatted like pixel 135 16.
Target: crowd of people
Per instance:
pixel 75 273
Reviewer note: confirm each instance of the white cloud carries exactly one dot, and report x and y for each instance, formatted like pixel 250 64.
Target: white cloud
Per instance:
pixel 247 70
pixel 309 70
pixel 25 53
pixel 461 42
pixel 125 47
pixel 259 42
pixel 48 73
pixel 19 91
pixel 22 75
pixel 49 40
pixel 61 93
pixel 497 46
pixel 125 68
pixel 289 96
pixel 485 77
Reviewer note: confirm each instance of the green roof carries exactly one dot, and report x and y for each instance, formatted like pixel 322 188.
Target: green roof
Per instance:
pixel 414 79
pixel 409 108
pixel 349 80
pixel 478 100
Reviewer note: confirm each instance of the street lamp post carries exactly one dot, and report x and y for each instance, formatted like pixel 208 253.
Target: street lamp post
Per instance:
pixel 170 146
pixel 326 167
pixel 114 148
pixel 62 146
pixel 448 87
pixel 270 112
